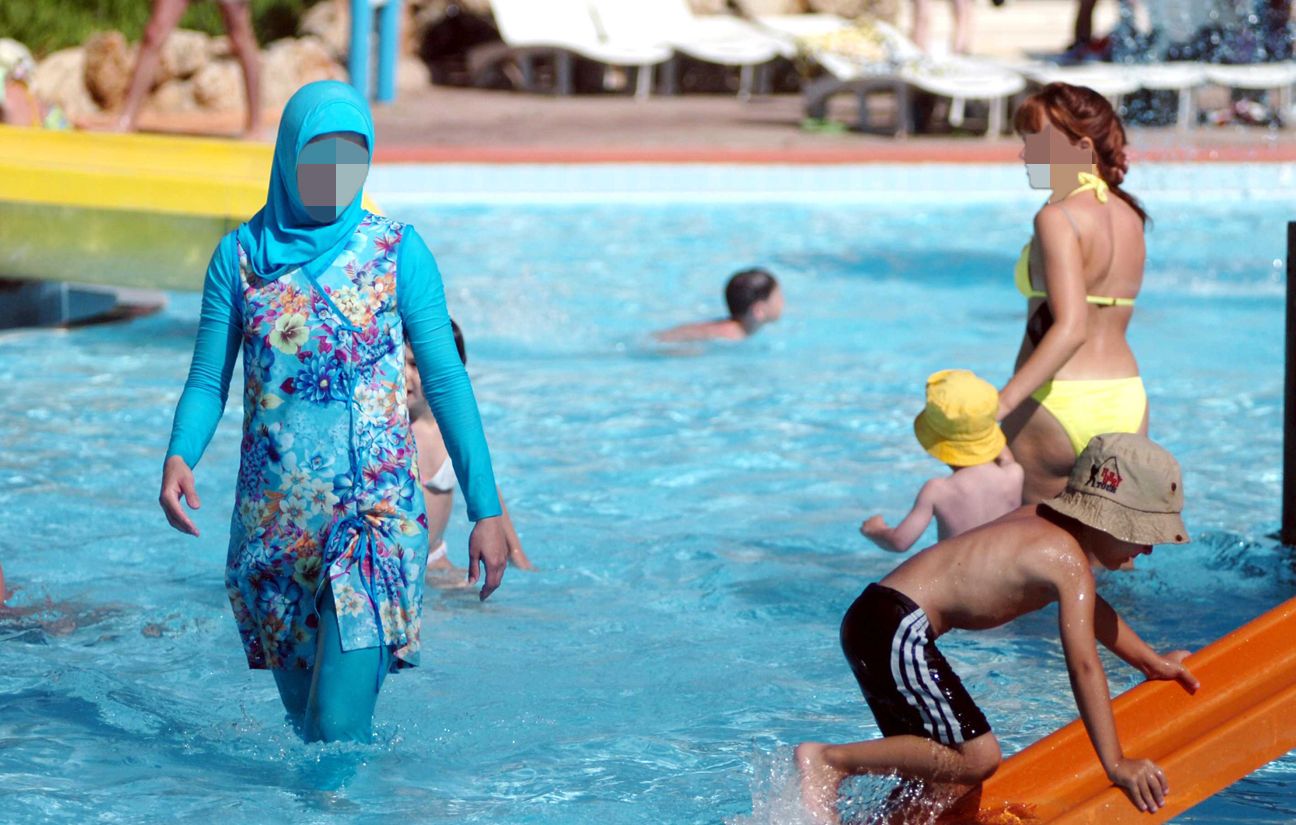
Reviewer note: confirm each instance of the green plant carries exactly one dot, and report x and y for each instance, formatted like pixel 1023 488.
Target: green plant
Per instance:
pixel 48 25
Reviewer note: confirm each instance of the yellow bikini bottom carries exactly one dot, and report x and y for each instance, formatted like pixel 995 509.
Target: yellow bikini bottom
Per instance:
pixel 1090 407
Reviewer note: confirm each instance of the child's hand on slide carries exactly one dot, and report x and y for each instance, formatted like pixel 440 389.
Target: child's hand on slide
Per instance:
pixel 1170 667
pixel 1142 781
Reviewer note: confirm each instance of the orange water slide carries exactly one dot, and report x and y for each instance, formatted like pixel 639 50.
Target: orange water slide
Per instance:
pixel 1243 716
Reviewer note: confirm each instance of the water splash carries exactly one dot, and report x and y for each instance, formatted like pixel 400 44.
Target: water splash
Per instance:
pixel 865 800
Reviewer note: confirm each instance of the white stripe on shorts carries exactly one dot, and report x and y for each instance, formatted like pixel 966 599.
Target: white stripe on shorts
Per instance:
pixel 946 711
pixel 900 651
pixel 909 667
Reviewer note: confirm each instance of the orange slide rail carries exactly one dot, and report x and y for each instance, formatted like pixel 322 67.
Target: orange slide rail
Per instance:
pixel 1243 717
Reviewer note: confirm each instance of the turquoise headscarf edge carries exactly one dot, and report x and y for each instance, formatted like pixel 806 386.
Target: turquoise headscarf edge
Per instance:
pixel 281 236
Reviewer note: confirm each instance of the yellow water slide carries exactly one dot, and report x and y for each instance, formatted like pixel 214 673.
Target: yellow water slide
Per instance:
pixel 139 211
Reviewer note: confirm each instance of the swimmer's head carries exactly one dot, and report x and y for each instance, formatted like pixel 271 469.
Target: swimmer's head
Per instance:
pixel 1067 128
pixel 754 298
pixel 413 382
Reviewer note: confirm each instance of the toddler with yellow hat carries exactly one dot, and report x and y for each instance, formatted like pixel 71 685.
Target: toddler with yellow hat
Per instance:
pixel 957 427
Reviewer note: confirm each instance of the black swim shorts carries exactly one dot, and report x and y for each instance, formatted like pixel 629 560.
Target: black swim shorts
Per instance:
pixel 906 681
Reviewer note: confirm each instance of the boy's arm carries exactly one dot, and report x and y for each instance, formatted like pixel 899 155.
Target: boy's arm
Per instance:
pixel 1120 638
pixel 1141 780
pixel 901 537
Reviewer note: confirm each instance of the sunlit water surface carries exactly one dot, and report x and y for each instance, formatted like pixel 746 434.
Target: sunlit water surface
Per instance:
pixel 694 512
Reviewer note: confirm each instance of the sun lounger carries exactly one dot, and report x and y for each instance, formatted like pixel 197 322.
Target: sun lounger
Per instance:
pixel 887 60
pixel 1259 77
pixel 563 28
pixel 717 39
pixel 1182 78
pixel 1117 80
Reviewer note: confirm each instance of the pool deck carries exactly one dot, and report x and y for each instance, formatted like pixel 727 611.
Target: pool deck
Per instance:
pixel 439 124
pixel 452 125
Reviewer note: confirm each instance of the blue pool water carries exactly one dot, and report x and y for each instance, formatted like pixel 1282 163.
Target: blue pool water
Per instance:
pixel 693 511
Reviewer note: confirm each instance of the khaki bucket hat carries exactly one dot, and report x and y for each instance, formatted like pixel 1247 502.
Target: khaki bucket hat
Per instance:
pixel 1128 487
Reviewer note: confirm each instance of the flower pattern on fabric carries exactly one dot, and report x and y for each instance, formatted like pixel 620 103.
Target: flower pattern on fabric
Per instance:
pixel 327 482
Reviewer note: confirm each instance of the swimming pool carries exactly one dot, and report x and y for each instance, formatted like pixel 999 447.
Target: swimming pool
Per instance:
pixel 693 511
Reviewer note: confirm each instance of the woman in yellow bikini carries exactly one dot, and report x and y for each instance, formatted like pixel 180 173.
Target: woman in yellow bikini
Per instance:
pixel 1076 376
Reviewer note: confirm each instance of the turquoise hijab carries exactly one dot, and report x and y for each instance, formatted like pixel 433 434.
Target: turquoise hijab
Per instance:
pixel 282 236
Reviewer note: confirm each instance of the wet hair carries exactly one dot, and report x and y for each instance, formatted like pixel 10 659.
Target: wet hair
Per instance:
pixel 459 343
pixel 1080 112
pixel 746 288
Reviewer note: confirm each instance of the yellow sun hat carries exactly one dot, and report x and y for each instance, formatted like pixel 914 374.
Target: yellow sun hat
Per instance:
pixel 958 424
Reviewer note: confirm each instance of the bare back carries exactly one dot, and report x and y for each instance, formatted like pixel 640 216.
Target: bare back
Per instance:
pixel 989 576
pixel 1113 253
pixel 978 495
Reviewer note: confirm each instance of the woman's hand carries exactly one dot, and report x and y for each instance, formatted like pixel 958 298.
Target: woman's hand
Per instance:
pixel 488 547
pixel 177 481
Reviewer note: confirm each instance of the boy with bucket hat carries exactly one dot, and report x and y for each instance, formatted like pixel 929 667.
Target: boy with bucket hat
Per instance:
pixel 1124 495
pixel 957 427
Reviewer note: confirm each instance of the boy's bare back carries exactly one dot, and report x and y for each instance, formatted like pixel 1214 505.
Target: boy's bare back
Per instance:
pixel 993 574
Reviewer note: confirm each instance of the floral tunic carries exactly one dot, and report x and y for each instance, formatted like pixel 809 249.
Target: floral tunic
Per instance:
pixel 327 486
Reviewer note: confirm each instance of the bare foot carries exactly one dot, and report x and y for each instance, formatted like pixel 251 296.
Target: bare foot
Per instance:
pixel 441 572
pixel 819 783
pixel 519 560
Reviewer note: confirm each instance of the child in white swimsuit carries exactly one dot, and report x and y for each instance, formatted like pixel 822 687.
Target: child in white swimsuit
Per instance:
pixel 437 475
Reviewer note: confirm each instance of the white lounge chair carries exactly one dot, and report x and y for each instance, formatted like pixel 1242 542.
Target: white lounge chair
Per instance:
pixel 563 28
pixel 1259 77
pixel 718 39
pixel 896 65
pixel 1112 81
pixel 1181 78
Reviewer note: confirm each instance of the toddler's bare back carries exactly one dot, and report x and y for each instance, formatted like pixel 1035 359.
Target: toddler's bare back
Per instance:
pixel 974 496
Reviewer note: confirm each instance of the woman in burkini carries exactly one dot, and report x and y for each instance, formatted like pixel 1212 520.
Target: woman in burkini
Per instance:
pixel 1076 376
pixel 329 538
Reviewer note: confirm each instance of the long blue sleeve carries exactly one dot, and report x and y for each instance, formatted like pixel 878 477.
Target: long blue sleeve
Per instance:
pixel 215 350
pixel 420 297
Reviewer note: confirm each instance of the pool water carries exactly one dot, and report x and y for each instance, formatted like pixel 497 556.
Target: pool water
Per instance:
pixel 693 510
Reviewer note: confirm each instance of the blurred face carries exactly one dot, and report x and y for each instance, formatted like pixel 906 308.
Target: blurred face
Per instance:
pixel 331 169
pixel 1114 554
pixel 1049 148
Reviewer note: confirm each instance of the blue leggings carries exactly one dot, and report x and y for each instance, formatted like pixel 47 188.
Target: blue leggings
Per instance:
pixel 334 700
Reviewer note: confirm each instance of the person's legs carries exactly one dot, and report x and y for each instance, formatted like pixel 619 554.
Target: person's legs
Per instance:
pixel 1042 447
pixel 238 22
pixel 948 769
pixel 921 22
pixel 1084 21
pixel 345 684
pixel 962 26
pixel 163 19
pixel 294 691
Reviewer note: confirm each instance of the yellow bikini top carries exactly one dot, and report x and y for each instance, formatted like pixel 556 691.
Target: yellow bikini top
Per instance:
pixel 1021 272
